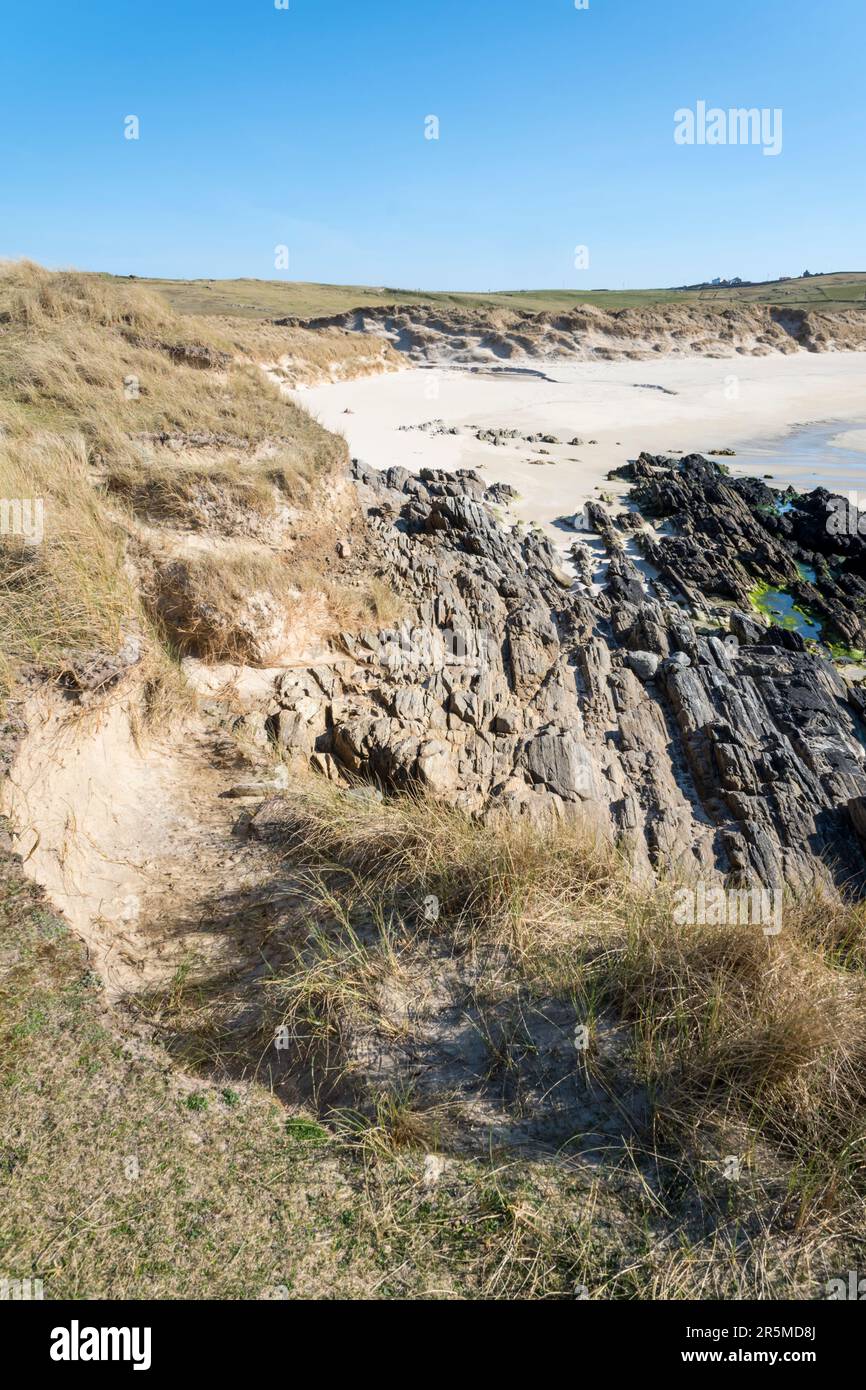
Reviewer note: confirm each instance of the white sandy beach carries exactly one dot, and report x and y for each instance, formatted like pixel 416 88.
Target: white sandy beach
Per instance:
pixel 704 404
pixel 851 439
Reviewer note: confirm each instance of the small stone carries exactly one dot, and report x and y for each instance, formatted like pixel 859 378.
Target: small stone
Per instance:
pixel 262 786
pixel 644 664
pixel 678 661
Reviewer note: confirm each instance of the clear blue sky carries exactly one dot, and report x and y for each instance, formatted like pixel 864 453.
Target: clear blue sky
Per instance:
pixel 305 127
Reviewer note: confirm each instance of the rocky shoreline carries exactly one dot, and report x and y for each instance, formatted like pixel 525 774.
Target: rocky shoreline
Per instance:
pixel 664 712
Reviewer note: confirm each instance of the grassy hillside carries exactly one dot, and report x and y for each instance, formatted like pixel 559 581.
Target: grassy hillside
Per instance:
pixel 265 299
pixel 133 423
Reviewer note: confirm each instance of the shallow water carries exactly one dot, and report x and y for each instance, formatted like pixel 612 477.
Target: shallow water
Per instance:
pixel 779 606
pixel 804 459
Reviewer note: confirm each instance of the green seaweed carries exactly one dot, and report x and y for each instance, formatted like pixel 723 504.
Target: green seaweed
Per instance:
pixel 779 608
pixel 840 651
pixel 766 598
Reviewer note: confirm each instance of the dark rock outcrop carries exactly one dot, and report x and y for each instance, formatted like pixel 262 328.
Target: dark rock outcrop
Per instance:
pixel 733 534
pixel 702 745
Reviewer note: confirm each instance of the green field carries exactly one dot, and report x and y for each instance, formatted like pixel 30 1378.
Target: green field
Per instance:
pixel 268 299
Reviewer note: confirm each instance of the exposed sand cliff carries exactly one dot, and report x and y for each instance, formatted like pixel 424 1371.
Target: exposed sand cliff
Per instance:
pixel 473 337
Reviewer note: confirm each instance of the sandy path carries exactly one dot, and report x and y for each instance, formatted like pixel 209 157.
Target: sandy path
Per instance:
pixel 134 842
pixel 704 403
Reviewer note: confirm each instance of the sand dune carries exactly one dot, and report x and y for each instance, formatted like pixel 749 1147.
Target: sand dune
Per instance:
pixel 453 334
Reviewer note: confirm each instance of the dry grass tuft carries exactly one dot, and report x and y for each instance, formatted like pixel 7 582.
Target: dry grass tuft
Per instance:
pixel 37 299
pixel 511 881
pixel 125 419
pixel 69 590
pixel 726 1022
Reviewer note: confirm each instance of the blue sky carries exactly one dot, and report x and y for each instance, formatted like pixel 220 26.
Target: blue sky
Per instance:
pixel 304 127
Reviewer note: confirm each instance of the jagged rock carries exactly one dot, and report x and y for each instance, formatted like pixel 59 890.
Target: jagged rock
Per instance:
pixel 436 769
pixel 94 672
pixel 561 763
pixel 326 765
pixel 717 747
pixel 294 732
pixel 501 494
pixel 507 721
pixel 678 661
pixel 731 534
pixel 747 629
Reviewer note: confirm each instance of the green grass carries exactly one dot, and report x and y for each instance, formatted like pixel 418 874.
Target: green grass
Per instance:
pixel 266 299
